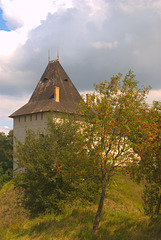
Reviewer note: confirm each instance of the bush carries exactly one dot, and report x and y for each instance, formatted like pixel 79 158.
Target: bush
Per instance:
pixel 47 182
pixel 151 198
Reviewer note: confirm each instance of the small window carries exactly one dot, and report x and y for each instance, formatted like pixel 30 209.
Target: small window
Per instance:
pixel 45 79
pixel 65 80
pixel 36 116
pixel 24 118
pixel 52 96
pixel 30 117
pixel 41 116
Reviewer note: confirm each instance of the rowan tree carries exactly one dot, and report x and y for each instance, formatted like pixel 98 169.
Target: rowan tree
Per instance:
pixel 109 121
pixel 149 149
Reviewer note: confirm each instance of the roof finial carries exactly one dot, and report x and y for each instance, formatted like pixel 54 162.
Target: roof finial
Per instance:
pixel 58 54
pixel 49 55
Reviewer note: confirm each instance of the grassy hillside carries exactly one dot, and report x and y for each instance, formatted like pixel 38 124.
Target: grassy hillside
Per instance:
pixel 122 217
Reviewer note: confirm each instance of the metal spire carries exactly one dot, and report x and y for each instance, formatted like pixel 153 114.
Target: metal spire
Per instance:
pixel 58 54
pixel 49 55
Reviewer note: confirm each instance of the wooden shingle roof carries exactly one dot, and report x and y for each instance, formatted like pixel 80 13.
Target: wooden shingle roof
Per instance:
pixel 43 99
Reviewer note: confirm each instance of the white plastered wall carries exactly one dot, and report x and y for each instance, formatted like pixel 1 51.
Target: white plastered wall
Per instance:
pixel 36 122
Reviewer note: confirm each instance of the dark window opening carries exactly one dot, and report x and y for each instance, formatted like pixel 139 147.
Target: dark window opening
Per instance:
pixel 30 117
pixel 66 80
pixel 52 96
pixel 45 79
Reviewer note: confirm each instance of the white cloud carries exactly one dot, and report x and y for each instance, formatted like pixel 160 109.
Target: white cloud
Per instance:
pixel 105 45
pixel 22 16
pixel 131 6
pixel 4 129
pixel 9 105
pixel 11 40
pixel 30 13
pixel 136 52
pixel 154 95
pixel 99 9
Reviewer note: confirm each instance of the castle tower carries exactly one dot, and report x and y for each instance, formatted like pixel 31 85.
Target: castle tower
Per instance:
pixel 55 92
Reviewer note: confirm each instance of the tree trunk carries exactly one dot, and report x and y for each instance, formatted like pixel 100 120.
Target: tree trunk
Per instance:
pixel 99 210
pixel 158 206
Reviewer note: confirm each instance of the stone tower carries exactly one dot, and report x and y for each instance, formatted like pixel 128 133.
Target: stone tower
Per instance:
pixel 55 92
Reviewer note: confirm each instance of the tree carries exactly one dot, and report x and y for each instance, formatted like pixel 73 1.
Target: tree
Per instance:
pixel 148 147
pixel 91 149
pixel 6 148
pixel 49 180
pixel 108 123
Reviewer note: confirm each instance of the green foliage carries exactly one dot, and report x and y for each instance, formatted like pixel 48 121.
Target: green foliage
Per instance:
pixel 42 195
pixel 122 217
pixel 82 154
pixel 49 180
pixel 5 177
pixel 6 148
pixel 151 197
pixel 110 128
pixel 148 146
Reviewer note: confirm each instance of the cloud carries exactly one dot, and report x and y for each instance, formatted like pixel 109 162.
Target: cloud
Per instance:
pixel 136 52
pixel 29 13
pixel 84 38
pixel 154 95
pixel 96 39
pixel 98 10
pixel 8 106
pixel 23 68
pixel 108 45
pixel 10 42
pixel 4 130
pixel 23 16
pixel 131 6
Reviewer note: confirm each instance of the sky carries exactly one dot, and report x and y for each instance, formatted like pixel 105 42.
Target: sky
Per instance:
pixel 96 40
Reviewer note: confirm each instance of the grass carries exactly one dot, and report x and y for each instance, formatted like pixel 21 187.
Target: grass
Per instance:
pixel 122 217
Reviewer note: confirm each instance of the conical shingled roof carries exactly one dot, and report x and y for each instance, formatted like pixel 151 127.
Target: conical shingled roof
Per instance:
pixel 42 99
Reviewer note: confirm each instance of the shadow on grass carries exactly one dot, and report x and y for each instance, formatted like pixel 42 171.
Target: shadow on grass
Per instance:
pixel 78 226
pixel 69 227
pixel 130 227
